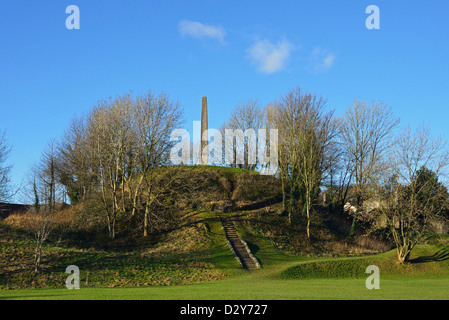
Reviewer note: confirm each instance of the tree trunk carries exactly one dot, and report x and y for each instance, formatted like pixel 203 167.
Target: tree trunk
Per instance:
pixel 136 194
pixel 145 220
pixel 352 230
pixel 308 221
pixel 291 204
pixel 284 194
pixel 37 255
pixel 403 256
pixel 354 219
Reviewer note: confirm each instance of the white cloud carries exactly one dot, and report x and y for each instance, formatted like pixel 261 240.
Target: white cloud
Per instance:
pixel 329 61
pixel 199 30
pixel 268 57
pixel 321 60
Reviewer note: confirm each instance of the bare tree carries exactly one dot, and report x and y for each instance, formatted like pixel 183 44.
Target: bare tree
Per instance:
pixel 76 167
pixel 273 119
pixel 42 226
pixel 155 117
pixel 338 177
pixel 111 153
pixel 314 144
pixel 306 131
pixel 413 197
pixel 111 135
pixel 44 191
pixel 366 135
pixel 5 179
pixel 283 116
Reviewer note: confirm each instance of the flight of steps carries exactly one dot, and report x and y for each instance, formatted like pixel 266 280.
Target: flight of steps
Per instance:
pixel 237 245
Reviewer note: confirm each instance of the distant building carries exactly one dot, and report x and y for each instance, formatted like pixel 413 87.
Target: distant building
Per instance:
pixel 7 208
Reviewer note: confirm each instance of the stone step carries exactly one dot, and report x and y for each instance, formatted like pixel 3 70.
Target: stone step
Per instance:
pixel 236 243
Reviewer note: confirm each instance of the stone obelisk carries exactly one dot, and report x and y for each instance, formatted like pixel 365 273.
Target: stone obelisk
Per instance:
pixel 204 137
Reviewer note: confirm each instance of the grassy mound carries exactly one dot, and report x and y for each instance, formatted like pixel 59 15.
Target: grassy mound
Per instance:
pixel 183 256
pixel 428 261
pixel 191 249
pixel 194 249
pixel 326 238
pixel 228 189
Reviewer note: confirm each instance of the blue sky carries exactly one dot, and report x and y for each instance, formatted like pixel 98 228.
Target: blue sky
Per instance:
pixel 230 51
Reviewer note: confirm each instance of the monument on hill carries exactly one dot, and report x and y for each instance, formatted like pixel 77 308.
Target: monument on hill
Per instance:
pixel 204 136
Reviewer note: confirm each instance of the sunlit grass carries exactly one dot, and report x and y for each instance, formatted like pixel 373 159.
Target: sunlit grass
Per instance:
pixel 283 277
pixel 255 288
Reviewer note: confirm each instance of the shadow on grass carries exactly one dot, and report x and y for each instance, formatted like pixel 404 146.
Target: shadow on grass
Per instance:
pixel 441 255
pixel 253 247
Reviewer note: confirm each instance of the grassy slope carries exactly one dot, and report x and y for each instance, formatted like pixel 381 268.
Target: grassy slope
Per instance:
pixel 271 283
pixel 206 258
pixel 281 277
pixel 192 254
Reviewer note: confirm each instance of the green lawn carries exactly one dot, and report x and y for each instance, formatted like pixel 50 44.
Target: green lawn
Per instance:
pixel 255 289
pixel 283 277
